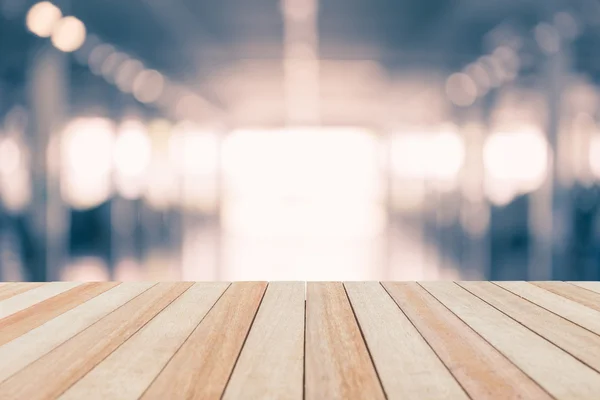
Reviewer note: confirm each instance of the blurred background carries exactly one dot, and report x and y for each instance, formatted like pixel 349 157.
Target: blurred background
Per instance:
pixel 299 140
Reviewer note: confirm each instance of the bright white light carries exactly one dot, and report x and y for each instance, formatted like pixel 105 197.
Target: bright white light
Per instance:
pixel 10 156
pixel 461 89
pixel 15 182
pixel 148 86
pixel 15 190
pixel 435 156
pixel 313 219
pixel 68 34
pixel 595 155
pixel 194 152
pixel 42 17
pixel 132 154
pixel 303 172
pixel 87 151
pixel 163 186
pixel 447 155
pixel 312 196
pixel 515 163
pixel 409 156
pixel 303 162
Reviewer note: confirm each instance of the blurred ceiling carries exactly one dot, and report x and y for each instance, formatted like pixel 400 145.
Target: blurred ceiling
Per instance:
pixel 192 41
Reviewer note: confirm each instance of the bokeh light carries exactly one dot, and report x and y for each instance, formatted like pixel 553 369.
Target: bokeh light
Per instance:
pixel 42 17
pixel 87 154
pixel 68 34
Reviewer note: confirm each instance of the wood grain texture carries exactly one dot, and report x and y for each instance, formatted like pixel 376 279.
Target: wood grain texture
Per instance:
pixel 202 366
pixel 575 340
pixel 568 309
pixel 25 320
pixel 9 290
pixel 38 342
pixel 572 292
pixel 77 356
pixel 130 369
pixel 337 362
pixel 271 364
pixel 28 298
pixel 407 366
pixel 593 286
pixel 482 371
pixel 559 373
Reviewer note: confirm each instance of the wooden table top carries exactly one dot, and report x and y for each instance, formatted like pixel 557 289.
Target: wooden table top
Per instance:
pixel 291 340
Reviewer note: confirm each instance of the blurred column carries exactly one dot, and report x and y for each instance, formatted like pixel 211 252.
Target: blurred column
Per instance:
pixel 301 61
pixel 475 212
pixel 549 210
pixel 47 84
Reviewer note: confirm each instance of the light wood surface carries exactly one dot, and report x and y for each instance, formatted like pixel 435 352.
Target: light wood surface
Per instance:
pixel 573 292
pixel 271 365
pixel 482 370
pixel 337 362
pixel 563 376
pixel 405 362
pixel 11 289
pixel 291 340
pixel 566 308
pixel 203 364
pixel 593 286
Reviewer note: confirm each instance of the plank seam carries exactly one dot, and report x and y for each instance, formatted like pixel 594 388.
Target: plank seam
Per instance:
pixel 365 342
pixel 244 342
pixel 525 326
pixel 18 314
pixel 487 341
pixel 550 311
pixel 184 341
pixel 304 349
pixel 566 296
pixel 424 339
pixel 122 343
pixel 78 333
pixel 580 287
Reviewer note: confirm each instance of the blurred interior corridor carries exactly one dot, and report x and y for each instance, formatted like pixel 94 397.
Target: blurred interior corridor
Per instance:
pixel 299 140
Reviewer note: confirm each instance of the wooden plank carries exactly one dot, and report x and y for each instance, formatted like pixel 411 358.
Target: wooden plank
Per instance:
pixel 568 309
pixel 80 354
pixel 12 289
pixel 25 349
pixel 337 362
pixel 29 298
pixel 593 286
pixel 129 370
pixel 559 373
pixel 25 320
pixel 482 371
pixel 203 364
pixel 271 364
pixel 580 295
pixel 407 366
pixel 575 340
